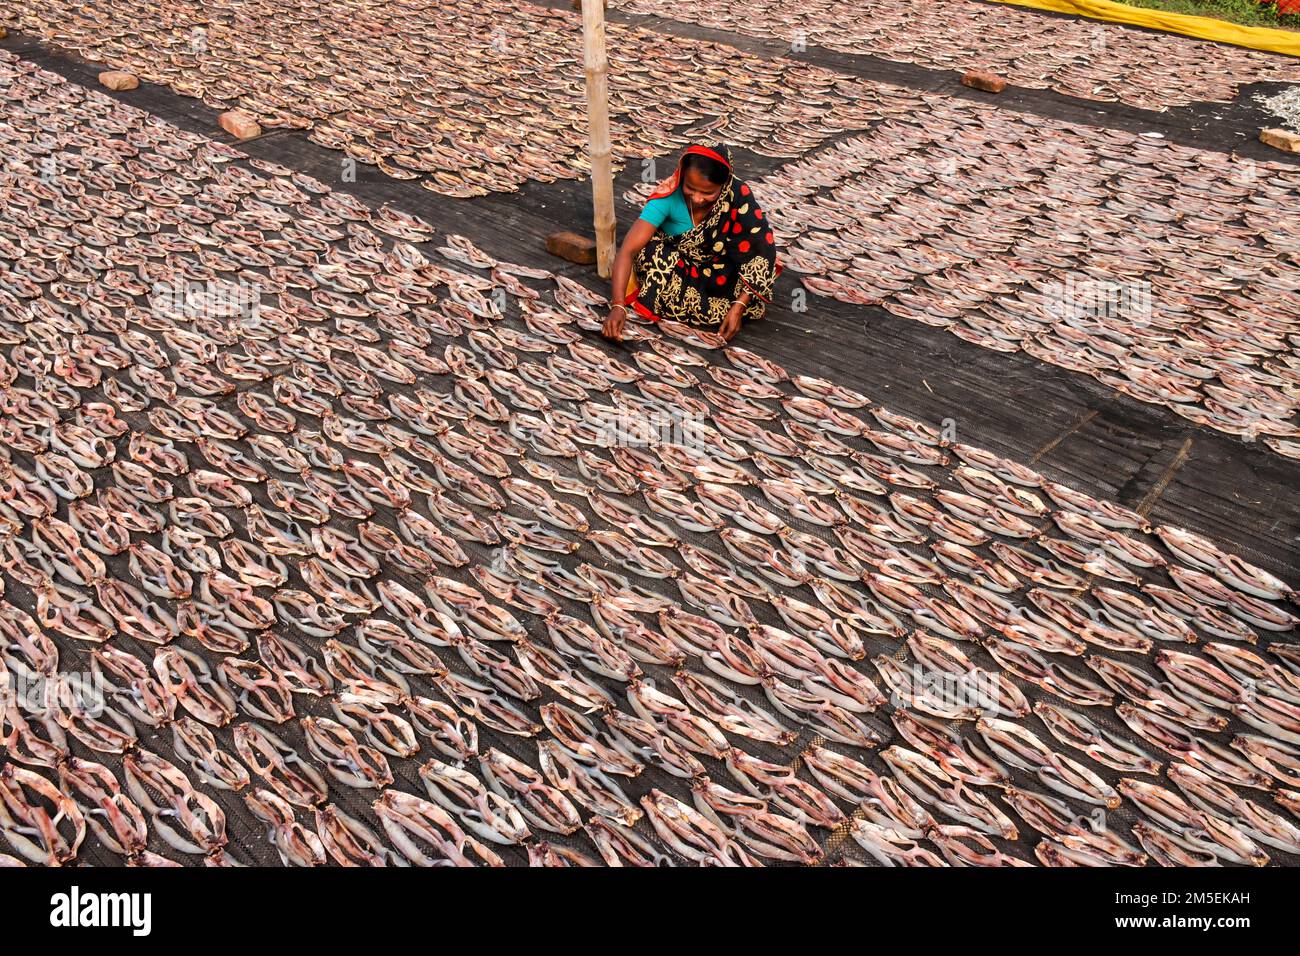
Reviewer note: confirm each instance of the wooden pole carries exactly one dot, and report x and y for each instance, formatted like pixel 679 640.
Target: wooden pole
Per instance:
pixel 602 173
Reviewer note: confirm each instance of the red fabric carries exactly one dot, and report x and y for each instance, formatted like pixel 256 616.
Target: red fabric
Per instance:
pixel 669 185
pixel 642 311
pixel 635 304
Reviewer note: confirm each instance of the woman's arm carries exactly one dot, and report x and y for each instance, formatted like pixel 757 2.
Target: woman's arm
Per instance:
pixel 635 240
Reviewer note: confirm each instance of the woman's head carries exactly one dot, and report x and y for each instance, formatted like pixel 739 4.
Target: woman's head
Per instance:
pixel 702 180
pixel 715 171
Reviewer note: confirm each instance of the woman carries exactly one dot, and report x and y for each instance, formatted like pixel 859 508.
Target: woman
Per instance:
pixel 701 252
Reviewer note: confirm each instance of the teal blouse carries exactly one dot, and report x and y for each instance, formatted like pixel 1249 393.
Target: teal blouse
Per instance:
pixel 670 214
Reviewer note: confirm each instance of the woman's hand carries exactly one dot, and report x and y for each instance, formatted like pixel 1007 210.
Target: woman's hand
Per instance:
pixel 613 327
pixel 731 324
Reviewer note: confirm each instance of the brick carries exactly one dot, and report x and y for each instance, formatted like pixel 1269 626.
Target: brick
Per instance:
pixel 119 81
pixel 983 80
pixel 1280 139
pixel 571 246
pixel 239 125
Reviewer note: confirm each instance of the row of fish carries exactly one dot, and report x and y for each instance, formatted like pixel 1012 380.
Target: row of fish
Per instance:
pixel 1079 57
pixel 1163 272
pixel 466 98
pixel 378 555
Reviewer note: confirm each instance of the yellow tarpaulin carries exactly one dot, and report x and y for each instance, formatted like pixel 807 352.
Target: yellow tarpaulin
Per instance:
pixel 1203 28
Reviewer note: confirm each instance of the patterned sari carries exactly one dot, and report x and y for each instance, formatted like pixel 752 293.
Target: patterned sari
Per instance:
pixel 695 277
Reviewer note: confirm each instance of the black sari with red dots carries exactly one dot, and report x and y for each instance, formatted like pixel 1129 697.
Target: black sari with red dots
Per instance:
pixel 696 276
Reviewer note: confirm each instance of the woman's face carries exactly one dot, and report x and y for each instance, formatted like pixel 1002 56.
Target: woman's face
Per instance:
pixel 699 192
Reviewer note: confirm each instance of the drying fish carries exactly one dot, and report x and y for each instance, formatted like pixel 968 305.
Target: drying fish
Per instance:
pixel 925 781
pixel 187 819
pixel 383 396
pixel 1102 745
pixel 954 753
pixel 675 720
pixel 1022 749
pixel 1145 691
pixel 39 821
pixel 890 846
pixel 766 834
pixel 623 846
pixel 407 818
pixel 690 834
pixel 1194 829
pixel 1254 821
pixel 729 711
pixel 814 708
pixel 484 812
